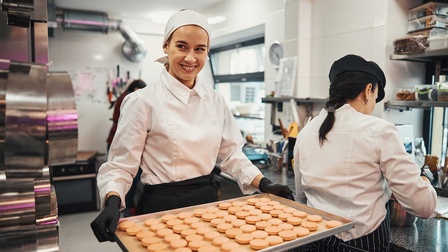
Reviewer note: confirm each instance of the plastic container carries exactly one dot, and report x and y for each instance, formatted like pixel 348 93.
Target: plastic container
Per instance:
pixel 438 39
pixel 442 91
pixel 405 94
pixel 432 21
pixel 426 93
pixel 430 8
pixel 411 44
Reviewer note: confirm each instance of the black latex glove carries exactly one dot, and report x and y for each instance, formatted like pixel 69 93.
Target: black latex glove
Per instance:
pixel 105 224
pixel 425 171
pixel 266 186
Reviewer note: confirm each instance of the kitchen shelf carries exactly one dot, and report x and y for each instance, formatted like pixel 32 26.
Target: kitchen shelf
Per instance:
pixel 278 101
pixel 408 105
pixel 427 56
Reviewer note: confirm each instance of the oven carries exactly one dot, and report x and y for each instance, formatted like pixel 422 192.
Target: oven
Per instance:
pixel 75 184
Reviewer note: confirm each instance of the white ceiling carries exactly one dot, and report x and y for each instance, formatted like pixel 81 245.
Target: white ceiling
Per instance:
pixel 138 9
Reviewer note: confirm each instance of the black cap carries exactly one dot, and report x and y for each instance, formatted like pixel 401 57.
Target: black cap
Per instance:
pixel 356 63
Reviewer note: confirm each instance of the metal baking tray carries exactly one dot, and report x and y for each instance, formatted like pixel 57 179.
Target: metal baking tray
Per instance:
pixel 130 243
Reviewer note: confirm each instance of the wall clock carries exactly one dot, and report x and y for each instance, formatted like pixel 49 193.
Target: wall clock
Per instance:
pixel 275 53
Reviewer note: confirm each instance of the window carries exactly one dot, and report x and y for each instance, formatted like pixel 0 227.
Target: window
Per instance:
pixel 238 72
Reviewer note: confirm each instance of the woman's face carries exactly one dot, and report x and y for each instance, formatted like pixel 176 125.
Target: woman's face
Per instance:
pixel 187 51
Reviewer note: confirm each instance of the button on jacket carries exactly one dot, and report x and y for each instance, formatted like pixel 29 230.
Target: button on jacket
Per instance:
pixel 354 173
pixel 174 133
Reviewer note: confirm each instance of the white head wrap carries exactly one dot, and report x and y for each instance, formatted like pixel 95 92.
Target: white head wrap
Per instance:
pixel 183 18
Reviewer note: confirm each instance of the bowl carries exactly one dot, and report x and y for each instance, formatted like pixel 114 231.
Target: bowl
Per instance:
pixel 398 216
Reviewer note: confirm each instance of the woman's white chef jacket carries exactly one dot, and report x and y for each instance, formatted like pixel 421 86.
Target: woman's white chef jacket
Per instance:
pixel 353 173
pixel 174 133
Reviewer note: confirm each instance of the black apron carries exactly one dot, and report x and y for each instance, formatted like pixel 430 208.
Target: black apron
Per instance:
pixel 378 240
pixel 180 194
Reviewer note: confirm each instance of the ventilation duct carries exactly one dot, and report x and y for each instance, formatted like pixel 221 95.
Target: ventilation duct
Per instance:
pixel 134 48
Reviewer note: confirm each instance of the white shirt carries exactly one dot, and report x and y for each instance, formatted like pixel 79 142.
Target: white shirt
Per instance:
pixel 174 133
pixel 353 173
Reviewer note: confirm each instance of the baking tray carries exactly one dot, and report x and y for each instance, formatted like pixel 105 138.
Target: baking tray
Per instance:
pixel 131 243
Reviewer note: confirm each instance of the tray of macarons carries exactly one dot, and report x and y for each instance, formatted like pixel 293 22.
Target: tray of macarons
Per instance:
pixel 261 222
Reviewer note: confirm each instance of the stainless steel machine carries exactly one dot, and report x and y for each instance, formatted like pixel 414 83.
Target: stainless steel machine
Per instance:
pixel 38 128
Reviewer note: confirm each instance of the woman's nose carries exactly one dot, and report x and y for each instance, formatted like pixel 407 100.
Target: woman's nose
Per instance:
pixel 190 57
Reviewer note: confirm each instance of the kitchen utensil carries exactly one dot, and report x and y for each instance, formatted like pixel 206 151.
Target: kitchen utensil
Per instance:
pixel 399 217
pixel 275 162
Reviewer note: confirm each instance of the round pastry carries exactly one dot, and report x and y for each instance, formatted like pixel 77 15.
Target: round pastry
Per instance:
pixel 221 213
pixel 224 205
pixel 300 214
pixel 231 233
pixel 198 212
pixel 265 199
pixel 279 207
pixel 239 250
pixel 186 232
pixel 238 203
pixel 218 241
pixel 274 240
pixel 312 226
pixel 259 234
pixel 329 224
pixel 247 228
pixel 243 238
pixel 216 222
pixel 223 227
pixel 229 218
pixel 210 235
pixel 258 244
pixel 183 215
pixel 238 223
pixel 275 212
pixel 149 240
pixel 195 245
pixel 247 207
pixel 208 248
pixel 157 247
pixel 264 216
pixel 168 217
pixel 171 237
pixel 262 225
pixel 314 218
pixel 252 219
pixel 164 231
pixel 174 222
pixel 197 225
pixel 208 217
pixel 242 214
pixel 275 222
pixel 255 212
pixel 125 225
pixel 212 209
pixel 273 230
pixel 273 203
pixel 178 243
pixel 142 234
pixel 193 237
pixel 289 210
pixel 179 228
pixel 266 208
pixel 287 235
pixel 294 220
pixel 301 231
pixel 150 222
pixel 190 220
pixel 260 204
pixel 158 226
pixel 252 201
pixel 229 246
pixel 286 226
pixel 202 230
pixel 234 209
pixel 184 249
pixel 133 230
pixel 284 216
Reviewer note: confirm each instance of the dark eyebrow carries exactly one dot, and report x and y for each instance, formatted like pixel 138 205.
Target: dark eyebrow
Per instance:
pixel 183 42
